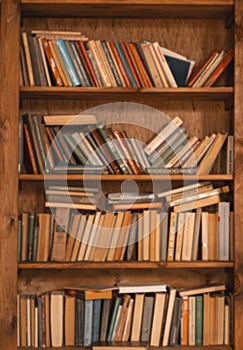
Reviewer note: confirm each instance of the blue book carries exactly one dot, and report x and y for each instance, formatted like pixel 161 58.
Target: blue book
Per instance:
pixel 96 320
pixel 125 64
pixel 88 320
pixel 68 62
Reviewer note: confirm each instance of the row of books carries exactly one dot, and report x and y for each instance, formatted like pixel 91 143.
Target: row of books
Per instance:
pixel 71 60
pixel 152 314
pixel 65 144
pixel 140 231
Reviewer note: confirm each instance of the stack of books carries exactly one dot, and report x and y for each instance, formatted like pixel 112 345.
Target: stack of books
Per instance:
pixel 154 314
pixel 79 144
pixel 189 223
pixel 69 59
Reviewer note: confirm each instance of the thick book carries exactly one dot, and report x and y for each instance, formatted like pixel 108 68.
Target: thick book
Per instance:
pixel 51 63
pixel 56 317
pixel 202 289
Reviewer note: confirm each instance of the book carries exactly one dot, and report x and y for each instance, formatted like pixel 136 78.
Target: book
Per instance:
pixel 180 66
pixel 69 320
pixel 198 72
pixel 168 318
pixel 60 234
pixel 219 69
pixel 51 63
pixel 162 135
pixel 207 163
pixel 158 315
pixel 230 155
pixel 56 317
pixel 202 290
pixel 147 318
pixel 137 317
pixel 142 288
pixel 223 219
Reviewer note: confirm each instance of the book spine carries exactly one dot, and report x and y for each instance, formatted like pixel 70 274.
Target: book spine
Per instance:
pixel 51 62
pixel 76 62
pixel 79 63
pixel 111 63
pixel 68 62
pixel 125 63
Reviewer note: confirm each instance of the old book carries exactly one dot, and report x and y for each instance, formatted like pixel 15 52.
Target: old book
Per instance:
pixel 88 319
pixel 60 234
pixel 120 63
pixel 29 154
pixel 116 65
pixel 131 63
pixel 198 203
pixel 202 289
pixel 147 318
pixel 162 135
pixel 74 223
pixel 157 63
pixel 113 316
pixel 115 236
pixel 85 237
pixel 125 63
pixel 179 235
pixel 146 80
pixel 172 236
pixel 92 235
pixel 201 68
pixel 51 63
pixel 168 318
pixel 56 317
pixel 230 155
pixel 151 65
pixel 180 66
pixel 111 62
pixel 158 315
pixel 44 61
pixel 105 63
pixel 184 320
pixel 175 323
pixel 28 58
pixel 61 45
pixel 83 66
pixel 137 206
pixel 91 44
pixel 71 48
pixel 59 63
pixel 196 234
pixel 212 237
pixel 128 323
pixel 137 317
pixel 24 68
pixel 40 63
pixel 123 237
pixel 137 73
pixel 44 236
pixel 223 231
pixel 208 160
pixel 69 320
pixel 188 236
pixel 87 64
pixel 191 320
pixel 219 69
pixel 204 236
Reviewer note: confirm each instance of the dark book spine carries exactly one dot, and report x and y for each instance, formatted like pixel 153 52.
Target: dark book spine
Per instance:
pixel 40 65
pixel 80 64
pixel 141 54
pixel 51 63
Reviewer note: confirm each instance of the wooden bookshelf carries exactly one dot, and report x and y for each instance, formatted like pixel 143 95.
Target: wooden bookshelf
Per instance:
pixel 128 265
pixel 202 25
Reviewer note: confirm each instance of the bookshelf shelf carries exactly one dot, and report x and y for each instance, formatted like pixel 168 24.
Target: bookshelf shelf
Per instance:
pixel 211 347
pixel 204 94
pixel 125 265
pixel 144 177
pixel 129 8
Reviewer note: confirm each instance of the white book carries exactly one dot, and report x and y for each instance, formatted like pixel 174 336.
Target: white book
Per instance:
pixel 223 231
pixel 168 319
pixel 188 237
pixel 163 135
pixel 204 236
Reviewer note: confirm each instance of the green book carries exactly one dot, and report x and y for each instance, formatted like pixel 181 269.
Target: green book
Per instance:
pixel 199 320
pixel 31 230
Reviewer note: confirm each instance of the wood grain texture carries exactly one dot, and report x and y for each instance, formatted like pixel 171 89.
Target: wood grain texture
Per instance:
pixel 8 164
pixel 238 179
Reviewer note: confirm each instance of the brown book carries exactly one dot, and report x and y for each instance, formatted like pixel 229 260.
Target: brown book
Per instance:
pixel 24 69
pixel 130 62
pixel 105 237
pixel 60 64
pixel 137 72
pixel 200 70
pixel 220 68
pixel 151 65
pixel 29 152
pixel 69 321
pixel 23 320
pixel 146 80
pixel 91 44
pixel 78 239
pixel 58 252
pixel 54 147
pixel 120 65
pixel 44 235
pixel 94 292
pixel 72 236
pixel 28 58
pixel 51 62
pixel 123 235
pixel 89 76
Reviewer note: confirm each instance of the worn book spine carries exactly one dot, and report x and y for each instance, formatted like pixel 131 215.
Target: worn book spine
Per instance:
pixel 52 64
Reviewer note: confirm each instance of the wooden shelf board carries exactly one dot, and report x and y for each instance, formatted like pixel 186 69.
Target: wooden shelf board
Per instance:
pixel 142 177
pixel 216 9
pixel 53 92
pixel 125 265
pixel 211 347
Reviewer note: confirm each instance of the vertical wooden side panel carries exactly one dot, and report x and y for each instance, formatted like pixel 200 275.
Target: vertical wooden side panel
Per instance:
pixel 238 207
pixel 9 70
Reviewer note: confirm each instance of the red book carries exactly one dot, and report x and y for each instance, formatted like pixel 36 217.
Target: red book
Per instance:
pixel 140 65
pixel 88 64
pixel 51 62
pixel 219 70
pixel 201 68
pixel 123 44
pixel 119 62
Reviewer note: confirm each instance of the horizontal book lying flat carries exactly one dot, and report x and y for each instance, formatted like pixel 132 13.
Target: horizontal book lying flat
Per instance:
pixel 74 119
pixel 143 288
pixel 201 290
